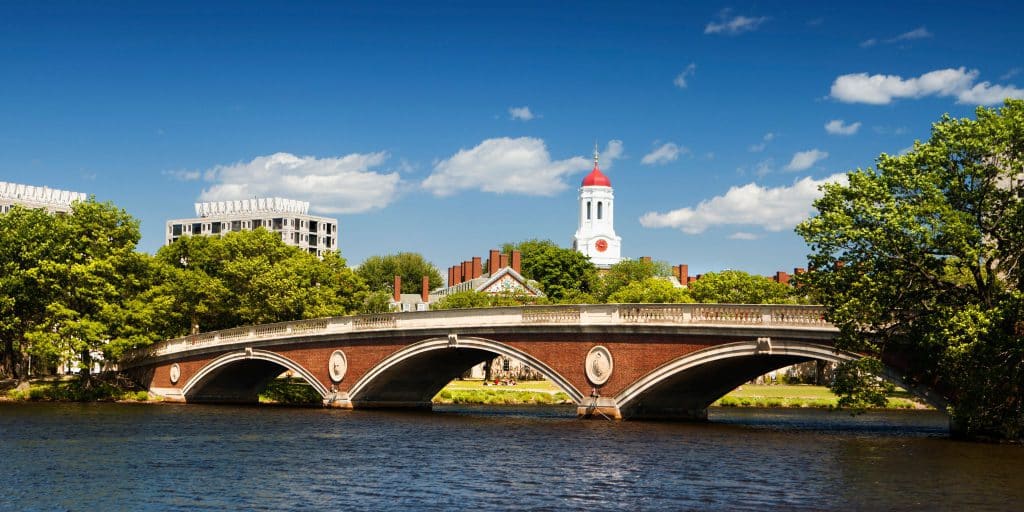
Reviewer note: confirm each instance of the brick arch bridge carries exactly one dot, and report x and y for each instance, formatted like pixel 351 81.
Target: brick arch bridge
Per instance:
pixel 654 361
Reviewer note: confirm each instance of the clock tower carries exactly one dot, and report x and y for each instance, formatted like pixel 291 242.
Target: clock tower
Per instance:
pixel 596 236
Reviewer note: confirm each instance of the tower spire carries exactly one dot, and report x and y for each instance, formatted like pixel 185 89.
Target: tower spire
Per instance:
pixel 596 154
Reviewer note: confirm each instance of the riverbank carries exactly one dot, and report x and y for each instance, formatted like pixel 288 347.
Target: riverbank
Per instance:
pixel 460 392
pixel 753 395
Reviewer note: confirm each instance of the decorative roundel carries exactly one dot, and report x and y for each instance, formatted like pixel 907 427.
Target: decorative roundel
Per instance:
pixel 175 373
pixel 601 245
pixel 599 365
pixel 337 365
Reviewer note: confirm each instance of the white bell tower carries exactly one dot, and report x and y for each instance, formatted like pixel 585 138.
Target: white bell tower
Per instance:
pixel 596 236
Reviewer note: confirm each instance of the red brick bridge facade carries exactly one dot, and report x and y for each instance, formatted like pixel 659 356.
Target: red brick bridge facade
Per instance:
pixel 648 361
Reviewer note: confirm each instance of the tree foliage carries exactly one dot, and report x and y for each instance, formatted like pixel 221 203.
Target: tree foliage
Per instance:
pixel 919 265
pixel 561 272
pixel 738 287
pixel 650 290
pixel 379 272
pixel 251 277
pixel 475 299
pixel 629 271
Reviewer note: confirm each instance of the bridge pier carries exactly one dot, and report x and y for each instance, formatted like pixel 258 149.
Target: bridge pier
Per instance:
pixel 599 407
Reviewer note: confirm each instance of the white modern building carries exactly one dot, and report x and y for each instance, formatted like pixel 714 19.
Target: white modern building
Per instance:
pixel 50 199
pixel 288 217
pixel 595 237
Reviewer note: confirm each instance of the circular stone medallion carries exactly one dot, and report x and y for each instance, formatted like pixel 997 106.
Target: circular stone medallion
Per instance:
pixel 599 365
pixel 175 373
pixel 337 365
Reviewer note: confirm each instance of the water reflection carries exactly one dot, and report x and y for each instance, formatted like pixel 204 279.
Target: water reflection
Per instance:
pixel 77 457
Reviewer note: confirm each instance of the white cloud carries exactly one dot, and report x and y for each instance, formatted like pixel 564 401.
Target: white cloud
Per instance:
pixel 764 167
pixel 772 209
pixel 838 127
pixel 805 159
pixel 509 166
pixel 917 33
pixel 667 152
pixel 759 147
pixel 612 152
pixel 883 89
pixel 1012 72
pixel 521 113
pixel 868 43
pixel 743 235
pixel 734 25
pixel 183 175
pixel 332 185
pixel 680 80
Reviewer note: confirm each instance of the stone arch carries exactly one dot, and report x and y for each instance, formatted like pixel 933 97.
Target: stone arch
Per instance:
pixel 255 368
pixel 686 386
pixel 389 382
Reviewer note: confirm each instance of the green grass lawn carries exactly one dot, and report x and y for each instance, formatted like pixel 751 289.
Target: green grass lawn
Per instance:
pixel 751 395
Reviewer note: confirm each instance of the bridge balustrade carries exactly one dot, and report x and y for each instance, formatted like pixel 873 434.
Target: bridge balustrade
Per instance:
pixel 598 314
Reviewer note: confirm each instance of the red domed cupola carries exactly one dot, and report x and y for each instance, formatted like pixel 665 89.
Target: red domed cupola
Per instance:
pixel 596 178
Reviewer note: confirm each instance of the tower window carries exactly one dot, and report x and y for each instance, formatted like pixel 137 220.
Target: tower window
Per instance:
pixel 599 210
pixel 588 210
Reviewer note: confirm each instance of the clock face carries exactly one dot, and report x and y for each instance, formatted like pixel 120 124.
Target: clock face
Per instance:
pixel 601 245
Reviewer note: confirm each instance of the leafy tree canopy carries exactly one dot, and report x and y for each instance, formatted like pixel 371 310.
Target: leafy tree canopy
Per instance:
pixel 629 271
pixel 475 299
pixel 738 287
pixel 379 272
pixel 560 272
pixel 650 290
pixel 919 264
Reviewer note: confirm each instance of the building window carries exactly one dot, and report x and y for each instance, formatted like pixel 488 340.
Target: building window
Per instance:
pixel 505 364
pixel 215 228
pixel 312 226
pixel 277 223
pixel 599 205
pixel 588 210
pixel 312 239
pixel 197 228
pixel 236 225
pixel 176 230
pixel 295 238
pixel 330 228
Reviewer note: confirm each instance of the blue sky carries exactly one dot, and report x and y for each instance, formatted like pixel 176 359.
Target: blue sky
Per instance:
pixel 450 129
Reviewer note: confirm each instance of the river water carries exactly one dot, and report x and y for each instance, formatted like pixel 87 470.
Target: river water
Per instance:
pixel 194 457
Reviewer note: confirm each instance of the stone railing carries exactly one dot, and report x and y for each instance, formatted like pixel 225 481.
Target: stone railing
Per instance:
pixel 739 315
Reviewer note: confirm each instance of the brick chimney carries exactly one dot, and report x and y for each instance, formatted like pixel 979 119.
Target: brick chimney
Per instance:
pixel 493 262
pixel 799 270
pixel 425 293
pixel 517 261
pixel 451 276
pixel 645 259
pixel 682 273
pixel 457 272
pixel 781 277
pixel 398 289
pixel 504 261
pixel 476 267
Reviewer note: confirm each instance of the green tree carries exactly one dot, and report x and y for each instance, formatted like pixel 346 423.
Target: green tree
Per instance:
pixel 379 272
pixel 26 241
pixel 475 299
pixel 738 287
pixel 919 264
pixel 87 281
pixel 650 290
pixel 252 277
pixel 562 273
pixel 625 272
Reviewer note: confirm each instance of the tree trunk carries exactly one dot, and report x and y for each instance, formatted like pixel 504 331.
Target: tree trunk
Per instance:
pixel 487 368
pixel 85 374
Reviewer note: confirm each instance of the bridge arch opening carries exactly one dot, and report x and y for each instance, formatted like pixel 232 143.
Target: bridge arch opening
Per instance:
pixel 685 387
pixel 412 376
pixel 239 377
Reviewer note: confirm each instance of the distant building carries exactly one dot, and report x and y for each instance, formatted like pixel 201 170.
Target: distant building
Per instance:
pixel 502 276
pixel 595 237
pixel 287 217
pixel 50 199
